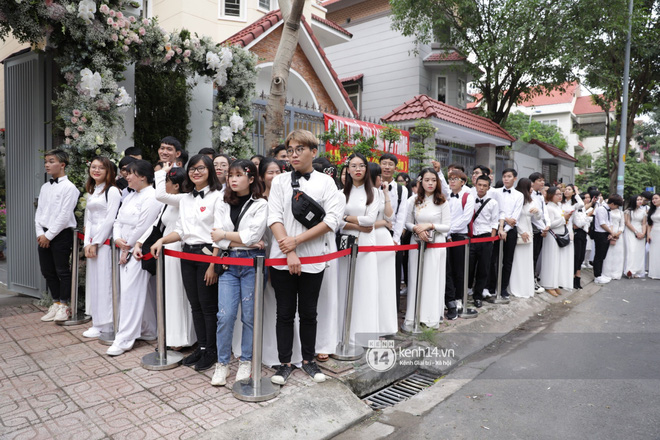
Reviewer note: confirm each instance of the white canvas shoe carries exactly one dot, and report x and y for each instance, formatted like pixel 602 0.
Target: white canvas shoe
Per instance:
pixel 63 313
pixel 220 375
pixel 244 370
pixel 602 280
pixel 114 351
pixel 92 332
pixel 50 314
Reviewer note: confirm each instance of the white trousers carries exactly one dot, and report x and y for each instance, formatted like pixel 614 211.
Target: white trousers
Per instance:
pixel 98 289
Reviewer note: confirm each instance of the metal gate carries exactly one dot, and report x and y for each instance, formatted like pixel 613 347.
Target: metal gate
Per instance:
pixel 27 106
pixel 460 154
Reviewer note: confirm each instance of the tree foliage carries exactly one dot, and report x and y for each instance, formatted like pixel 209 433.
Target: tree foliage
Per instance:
pixel 520 127
pixel 519 45
pixel 638 175
pixel 419 153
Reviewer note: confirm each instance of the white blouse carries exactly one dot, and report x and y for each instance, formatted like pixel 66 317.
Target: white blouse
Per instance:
pixel 138 212
pixel 357 206
pixel 252 227
pixel 557 221
pixel 428 212
pixel 196 217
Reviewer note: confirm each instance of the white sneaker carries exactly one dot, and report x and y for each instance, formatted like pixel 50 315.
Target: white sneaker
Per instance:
pixel 602 280
pixel 220 375
pixel 244 370
pixel 486 293
pixel 538 288
pixel 459 304
pixel 50 314
pixel 63 313
pixel 92 332
pixel 113 350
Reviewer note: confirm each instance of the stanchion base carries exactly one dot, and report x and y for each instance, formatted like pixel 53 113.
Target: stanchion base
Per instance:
pixel 347 352
pixel 75 320
pixel 153 361
pixel 497 300
pixel 468 313
pixel 410 330
pixel 106 338
pixel 248 391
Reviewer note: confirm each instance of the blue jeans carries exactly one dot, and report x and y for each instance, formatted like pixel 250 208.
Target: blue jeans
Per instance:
pixel 236 285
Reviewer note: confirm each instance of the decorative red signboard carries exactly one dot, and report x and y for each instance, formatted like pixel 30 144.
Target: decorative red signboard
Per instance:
pixel 352 126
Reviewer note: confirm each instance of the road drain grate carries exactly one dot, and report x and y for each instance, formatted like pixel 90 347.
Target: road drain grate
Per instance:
pixel 399 391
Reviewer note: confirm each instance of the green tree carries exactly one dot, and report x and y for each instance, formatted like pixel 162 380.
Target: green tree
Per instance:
pixel 519 126
pixel 519 46
pixel 419 153
pixel 638 175
pixel 346 145
pixel 391 134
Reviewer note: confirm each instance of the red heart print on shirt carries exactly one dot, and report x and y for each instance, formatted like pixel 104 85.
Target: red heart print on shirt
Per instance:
pixel 202 208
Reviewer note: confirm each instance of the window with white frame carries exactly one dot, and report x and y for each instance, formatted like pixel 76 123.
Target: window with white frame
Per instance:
pixel 232 9
pixel 354 91
pixel 549 122
pixel 265 5
pixel 462 92
pixel 441 87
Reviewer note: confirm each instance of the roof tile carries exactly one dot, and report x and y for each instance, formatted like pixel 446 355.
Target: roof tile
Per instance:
pixel 331 24
pixel 553 150
pixel 445 56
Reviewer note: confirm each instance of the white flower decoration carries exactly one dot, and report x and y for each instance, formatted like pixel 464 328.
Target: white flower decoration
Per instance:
pixel 90 82
pixel 123 98
pixel 236 122
pixel 86 10
pixel 226 134
pixel 212 60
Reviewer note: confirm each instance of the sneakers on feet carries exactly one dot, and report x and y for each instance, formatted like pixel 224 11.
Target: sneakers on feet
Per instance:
pixel 63 313
pixel 244 370
pixel 601 280
pixel 314 371
pixel 50 314
pixel 220 375
pixel 114 351
pixel 92 332
pixel 486 293
pixel 538 288
pixel 452 314
pixel 192 358
pixel 207 361
pixel 282 374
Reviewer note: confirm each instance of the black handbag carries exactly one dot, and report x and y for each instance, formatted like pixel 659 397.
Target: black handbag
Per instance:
pixel 305 209
pixel 344 241
pixel 221 268
pixel 156 234
pixel 563 239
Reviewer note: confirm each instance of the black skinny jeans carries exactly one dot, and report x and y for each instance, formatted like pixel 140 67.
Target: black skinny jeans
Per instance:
pixel 55 267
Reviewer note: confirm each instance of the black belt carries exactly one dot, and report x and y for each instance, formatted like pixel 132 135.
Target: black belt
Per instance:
pixel 486 234
pixel 458 236
pixel 195 247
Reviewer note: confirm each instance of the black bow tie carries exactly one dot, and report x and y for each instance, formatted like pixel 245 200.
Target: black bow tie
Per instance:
pixel 454 195
pixel 198 193
pixel 479 200
pixel 130 190
pixel 55 180
pixel 389 187
pixel 538 193
pixel 298 175
pixel 506 191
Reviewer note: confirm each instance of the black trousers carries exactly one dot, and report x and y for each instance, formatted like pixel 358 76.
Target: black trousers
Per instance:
pixel 507 260
pixel 579 248
pixel 203 299
pixel 602 245
pixel 303 291
pixel 455 272
pixel 538 245
pixel 55 266
pixel 480 256
pixel 398 265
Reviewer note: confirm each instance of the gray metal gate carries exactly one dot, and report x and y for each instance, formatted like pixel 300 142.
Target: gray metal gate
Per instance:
pixel 455 153
pixel 27 106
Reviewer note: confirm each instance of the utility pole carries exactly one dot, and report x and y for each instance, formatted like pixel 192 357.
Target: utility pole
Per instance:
pixel 624 109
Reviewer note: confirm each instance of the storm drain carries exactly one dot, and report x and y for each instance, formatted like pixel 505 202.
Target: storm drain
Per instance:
pixel 399 391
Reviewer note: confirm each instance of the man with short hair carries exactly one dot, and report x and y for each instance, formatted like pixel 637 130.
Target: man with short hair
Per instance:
pixel 182 160
pixel 169 150
pixel 134 152
pixel 399 197
pixel 210 152
pixel 480 170
pixel 279 153
pixel 603 234
pixel 485 223
pixel 539 225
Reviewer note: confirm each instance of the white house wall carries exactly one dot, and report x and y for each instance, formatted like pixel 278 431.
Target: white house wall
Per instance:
pixel 566 173
pixel 525 164
pixel 200 115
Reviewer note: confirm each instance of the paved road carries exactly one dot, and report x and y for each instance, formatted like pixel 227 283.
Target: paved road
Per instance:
pixel 593 372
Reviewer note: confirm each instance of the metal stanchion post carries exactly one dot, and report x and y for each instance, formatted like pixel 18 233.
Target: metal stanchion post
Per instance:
pixel 417 329
pixel 76 318
pixel 162 359
pixel 257 388
pixel 345 350
pixel 466 313
pixel 107 338
pixel 498 298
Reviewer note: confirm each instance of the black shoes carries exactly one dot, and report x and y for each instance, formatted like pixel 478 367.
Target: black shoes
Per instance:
pixel 314 371
pixel 576 283
pixel 452 314
pixel 207 360
pixel 282 374
pixel 478 303
pixel 192 358
pixel 505 294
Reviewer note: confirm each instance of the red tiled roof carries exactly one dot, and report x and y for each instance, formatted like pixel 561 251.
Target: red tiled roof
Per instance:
pixel 445 56
pixel 421 106
pixel 352 78
pixel 553 150
pixel 581 145
pixel 326 3
pixel 256 29
pixel 584 105
pixel 331 24
pixel 250 33
pixel 553 97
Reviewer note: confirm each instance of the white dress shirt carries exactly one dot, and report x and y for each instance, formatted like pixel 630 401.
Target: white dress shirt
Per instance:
pixel 100 213
pixel 510 202
pixel 251 228
pixel 602 216
pixel 56 205
pixel 323 190
pixel 196 217
pixel 461 216
pixel 489 217
pixel 399 218
pixel 489 194
pixel 539 222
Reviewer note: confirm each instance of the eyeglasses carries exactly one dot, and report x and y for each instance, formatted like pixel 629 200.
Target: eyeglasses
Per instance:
pixel 454 179
pixel 359 166
pixel 299 150
pixel 199 170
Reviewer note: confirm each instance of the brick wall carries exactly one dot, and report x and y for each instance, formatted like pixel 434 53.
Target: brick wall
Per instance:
pixel 359 11
pixel 266 50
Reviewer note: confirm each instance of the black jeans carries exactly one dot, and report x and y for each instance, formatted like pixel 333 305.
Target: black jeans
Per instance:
pixel 55 266
pixel 602 245
pixel 480 255
pixel 507 263
pixel 455 272
pixel 579 248
pixel 538 245
pixel 203 299
pixel 291 290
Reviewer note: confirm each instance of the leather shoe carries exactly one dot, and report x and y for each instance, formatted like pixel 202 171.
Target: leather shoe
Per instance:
pixel 478 303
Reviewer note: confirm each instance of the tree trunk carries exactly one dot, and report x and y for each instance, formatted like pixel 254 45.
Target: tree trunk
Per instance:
pixel 291 13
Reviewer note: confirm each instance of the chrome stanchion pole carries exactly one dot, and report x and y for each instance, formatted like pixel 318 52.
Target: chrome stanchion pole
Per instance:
pixel 498 298
pixel 107 338
pixel 345 350
pixel 465 312
pixel 162 359
pixel 257 388
pixel 76 318
pixel 417 329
